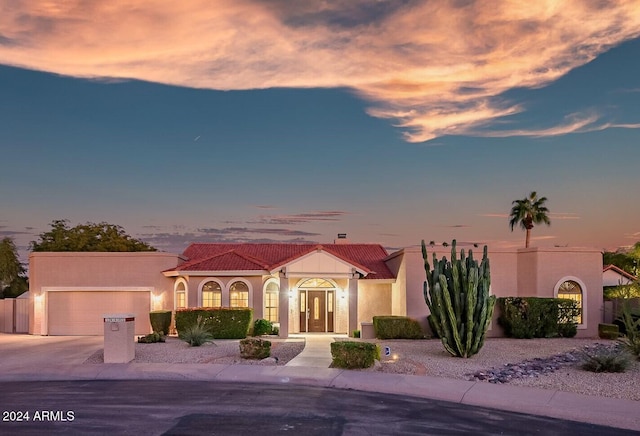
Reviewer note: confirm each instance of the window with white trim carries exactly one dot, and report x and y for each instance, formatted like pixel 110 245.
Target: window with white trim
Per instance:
pixel 572 291
pixel 271 297
pixel 181 296
pixel 238 295
pixel 211 294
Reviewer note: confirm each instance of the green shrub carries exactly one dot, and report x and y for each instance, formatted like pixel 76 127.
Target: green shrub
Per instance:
pixel 160 321
pixel 152 338
pixel 608 331
pixel 605 360
pixel 397 327
pixel 254 348
pixel 262 327
pixel 631 339
pixel 196 334
pixel 349 354
pixel 221 323
pixel 356 333
pixel 532 317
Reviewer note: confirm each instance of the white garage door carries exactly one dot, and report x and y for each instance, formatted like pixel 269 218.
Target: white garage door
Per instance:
pixel 81 312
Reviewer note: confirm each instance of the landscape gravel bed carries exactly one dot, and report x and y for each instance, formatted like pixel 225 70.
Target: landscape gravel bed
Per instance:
pixel 223 351
pixel 428 357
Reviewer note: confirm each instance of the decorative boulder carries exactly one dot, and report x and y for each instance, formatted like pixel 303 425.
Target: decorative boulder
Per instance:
pixel 254 348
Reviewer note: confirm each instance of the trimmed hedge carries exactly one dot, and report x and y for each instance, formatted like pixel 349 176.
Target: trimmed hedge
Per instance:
pixel 397 327
pixel 350 354
pixel 532 317
pixel 160 321
pixel 255 348
pixel 221 322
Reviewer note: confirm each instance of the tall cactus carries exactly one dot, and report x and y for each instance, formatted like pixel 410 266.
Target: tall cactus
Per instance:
pixel 457 293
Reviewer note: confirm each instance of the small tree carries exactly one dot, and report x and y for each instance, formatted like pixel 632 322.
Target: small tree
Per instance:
pixel 12 279
pixel 87 237
pixel 457 293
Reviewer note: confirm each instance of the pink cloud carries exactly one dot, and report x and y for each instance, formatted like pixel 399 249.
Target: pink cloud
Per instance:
pixel 434 68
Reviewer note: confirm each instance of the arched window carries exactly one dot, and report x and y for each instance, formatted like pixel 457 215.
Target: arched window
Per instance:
pixel 211 294
pixel 572 291
pixel 181 296
pixel 239 294
pixel 271 297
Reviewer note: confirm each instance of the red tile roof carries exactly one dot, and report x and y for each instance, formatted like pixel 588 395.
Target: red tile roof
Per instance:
pixel 619 271
pixel 368 258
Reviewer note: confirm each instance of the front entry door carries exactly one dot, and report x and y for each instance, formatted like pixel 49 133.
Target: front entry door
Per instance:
pixel 317 310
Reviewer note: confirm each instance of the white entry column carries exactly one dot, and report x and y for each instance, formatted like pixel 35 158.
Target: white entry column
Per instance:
pixel 283 307
pixel 353 305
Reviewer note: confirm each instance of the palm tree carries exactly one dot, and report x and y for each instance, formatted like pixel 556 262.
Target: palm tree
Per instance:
pixel 527 212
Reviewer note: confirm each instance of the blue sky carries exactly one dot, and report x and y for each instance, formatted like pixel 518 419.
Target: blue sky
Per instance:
pixel 348 123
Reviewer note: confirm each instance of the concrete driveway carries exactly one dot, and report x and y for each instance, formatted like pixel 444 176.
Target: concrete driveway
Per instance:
pixel 27 350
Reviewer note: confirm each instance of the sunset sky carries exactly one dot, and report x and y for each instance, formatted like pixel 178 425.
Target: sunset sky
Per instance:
pixel 391 121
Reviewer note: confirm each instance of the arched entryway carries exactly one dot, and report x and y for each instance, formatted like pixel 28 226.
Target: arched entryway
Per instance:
pixel 316 305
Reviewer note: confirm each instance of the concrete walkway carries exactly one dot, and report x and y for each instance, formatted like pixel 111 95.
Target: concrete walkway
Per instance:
pixel 317 351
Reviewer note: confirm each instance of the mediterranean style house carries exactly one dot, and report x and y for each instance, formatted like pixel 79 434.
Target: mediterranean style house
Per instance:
pixel 303 288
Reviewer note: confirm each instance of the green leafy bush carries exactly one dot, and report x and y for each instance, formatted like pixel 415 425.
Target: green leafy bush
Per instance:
pixel 350 355
pixel 197 334
pixel 631 338
pixel 152 338
pixel 262 327
pixel 532 317
pixel 356 333
pixel 608 331
pixel 611 359
pixel 397 327
pixel 160 321
pixel 254 348
pixel 221 323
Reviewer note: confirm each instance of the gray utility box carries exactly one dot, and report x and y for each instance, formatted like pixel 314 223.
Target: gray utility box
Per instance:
pixel 119 333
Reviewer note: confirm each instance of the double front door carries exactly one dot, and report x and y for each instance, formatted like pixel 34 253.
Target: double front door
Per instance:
pixel 316 311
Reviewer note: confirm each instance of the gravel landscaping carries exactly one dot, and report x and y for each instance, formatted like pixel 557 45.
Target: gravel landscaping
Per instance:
pixel 541 363
pixel 428 357
pixel 221 351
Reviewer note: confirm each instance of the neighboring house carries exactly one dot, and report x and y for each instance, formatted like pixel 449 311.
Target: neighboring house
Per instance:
pixel 614 276
pixel 301 287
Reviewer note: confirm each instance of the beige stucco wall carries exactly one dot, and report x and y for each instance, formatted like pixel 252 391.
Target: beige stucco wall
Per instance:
pixel 534 272
pixel 583 265
pixel 94 271
pixel 373 299
pixel 398 267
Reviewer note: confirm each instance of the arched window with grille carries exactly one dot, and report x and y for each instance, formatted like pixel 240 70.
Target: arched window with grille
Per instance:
pixel 572 290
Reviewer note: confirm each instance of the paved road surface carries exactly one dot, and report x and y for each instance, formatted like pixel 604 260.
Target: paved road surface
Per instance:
pixel 153 407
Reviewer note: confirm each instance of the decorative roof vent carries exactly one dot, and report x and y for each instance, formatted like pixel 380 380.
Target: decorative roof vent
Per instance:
pixel 342 239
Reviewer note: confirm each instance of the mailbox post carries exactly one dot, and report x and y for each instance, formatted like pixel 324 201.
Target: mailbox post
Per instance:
pixel 119 332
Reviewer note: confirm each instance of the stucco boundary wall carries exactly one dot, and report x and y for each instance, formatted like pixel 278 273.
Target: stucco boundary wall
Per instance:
pixel 526 272
pixel 64 283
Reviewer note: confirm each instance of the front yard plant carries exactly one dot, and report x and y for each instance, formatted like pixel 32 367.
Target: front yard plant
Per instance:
pixel 606 359
pixel 262 327
pixel 255 348
pixel 631 338
pixel 533 317
pixel 457 293
pixel 220 322
pixel 352 355
pixel 197 334
pixel 396 327
pixel 160 321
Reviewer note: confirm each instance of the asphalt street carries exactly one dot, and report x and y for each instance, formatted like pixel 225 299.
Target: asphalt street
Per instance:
pixel 154 407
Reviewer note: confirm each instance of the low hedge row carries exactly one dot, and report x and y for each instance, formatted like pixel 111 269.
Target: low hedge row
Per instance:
pixel 397 327
pixel 532 317
pixel 349 354
pixel 221 322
